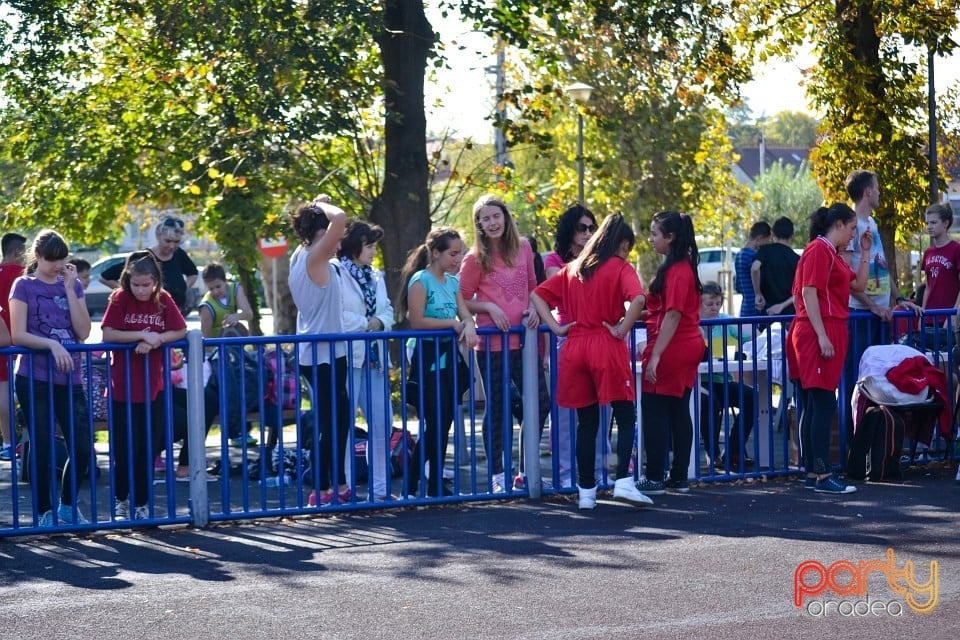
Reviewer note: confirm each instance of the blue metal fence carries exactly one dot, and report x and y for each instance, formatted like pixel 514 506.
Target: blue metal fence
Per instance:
pixel 269 388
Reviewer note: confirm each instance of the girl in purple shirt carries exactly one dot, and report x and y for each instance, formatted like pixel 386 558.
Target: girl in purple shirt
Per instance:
pixel 47 312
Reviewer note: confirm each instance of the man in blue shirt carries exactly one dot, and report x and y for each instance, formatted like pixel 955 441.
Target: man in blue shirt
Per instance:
pixel 742 284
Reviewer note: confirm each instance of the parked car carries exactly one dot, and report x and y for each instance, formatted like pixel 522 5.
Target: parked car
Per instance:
pixel 98 293
pixel 713 260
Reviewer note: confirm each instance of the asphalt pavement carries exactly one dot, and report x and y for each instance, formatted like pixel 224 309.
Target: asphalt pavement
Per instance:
pixel 717 563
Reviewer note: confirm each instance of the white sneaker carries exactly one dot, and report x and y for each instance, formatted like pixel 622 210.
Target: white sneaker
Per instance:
pixel 626 490
pixel 142 512
pixel 496 483
pixel 122 509
pixel 588 498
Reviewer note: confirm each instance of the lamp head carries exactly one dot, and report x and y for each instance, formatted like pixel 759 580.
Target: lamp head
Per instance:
pixel 579 91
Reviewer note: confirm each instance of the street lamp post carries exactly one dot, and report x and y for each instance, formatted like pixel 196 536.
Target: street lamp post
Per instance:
pixel 932 135
pixel 580 93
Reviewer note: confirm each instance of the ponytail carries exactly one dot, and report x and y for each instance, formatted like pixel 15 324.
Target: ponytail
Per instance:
pixel 825 217
pixel 682 247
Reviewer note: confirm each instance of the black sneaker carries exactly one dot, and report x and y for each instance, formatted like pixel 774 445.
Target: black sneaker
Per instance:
pixel 679 486
pixel 651 487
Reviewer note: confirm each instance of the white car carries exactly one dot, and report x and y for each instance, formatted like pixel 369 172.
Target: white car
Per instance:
pixel 715 259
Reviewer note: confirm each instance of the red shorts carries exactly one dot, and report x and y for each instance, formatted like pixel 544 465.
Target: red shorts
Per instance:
pixel 677 370
pixel 804 361
pixel 594 368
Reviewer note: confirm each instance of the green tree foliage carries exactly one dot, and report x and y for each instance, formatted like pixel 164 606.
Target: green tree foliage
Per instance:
pixel 742 127
pixel 790 129
pixel 225 109
pixel 657 72
pixel 948 135
pixel 868 83
pixel 784 190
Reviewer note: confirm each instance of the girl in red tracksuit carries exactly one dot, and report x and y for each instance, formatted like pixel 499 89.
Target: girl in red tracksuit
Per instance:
pixel 594 366
pixel 818 340
pixel 674 349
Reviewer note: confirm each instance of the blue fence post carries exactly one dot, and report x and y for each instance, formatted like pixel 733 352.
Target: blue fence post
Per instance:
pixel 196 433
pixel 531 411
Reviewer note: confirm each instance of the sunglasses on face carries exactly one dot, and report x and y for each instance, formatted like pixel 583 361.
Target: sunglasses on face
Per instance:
pixel 173 223
pixel 581 228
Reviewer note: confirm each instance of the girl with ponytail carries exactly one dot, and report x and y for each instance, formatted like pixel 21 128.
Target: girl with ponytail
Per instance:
pixel 819 337
pixel 674 349
pixel 594 366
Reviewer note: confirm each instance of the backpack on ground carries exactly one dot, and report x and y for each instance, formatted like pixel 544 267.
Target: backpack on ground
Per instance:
pixel 876 446
pixel 402 444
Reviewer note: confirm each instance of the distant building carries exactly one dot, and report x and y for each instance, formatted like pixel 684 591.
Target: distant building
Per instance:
pixel 756 160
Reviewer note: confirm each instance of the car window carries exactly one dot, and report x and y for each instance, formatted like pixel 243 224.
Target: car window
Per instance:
pixel 710 255
pixel 102 265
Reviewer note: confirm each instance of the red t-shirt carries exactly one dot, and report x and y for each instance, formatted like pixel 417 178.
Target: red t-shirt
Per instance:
pixel 679 294
pixel 677 370
pixel 600 299
pixel 126 313
pixel 9 271
pixel 822 267
pixel 942 268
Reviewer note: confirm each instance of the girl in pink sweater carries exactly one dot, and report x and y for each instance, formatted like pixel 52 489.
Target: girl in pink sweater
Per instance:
pixel 496 279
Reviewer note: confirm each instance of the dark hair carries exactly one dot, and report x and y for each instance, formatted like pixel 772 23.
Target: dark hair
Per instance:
pixel 603 245
pixel 48 245
pixel 11 243
pixel 783 228
pixel 80 264
pixel 567 227
pixel 213 271
pixel 509 242
pixel 712 288
pixel 141 263
pixel 760 229
pixel 538 267
pixel 945 211
pixel 358 234
pixel 859 181
pixel 683 247
pixel 307 220
pixel 418 259
pixel 825 217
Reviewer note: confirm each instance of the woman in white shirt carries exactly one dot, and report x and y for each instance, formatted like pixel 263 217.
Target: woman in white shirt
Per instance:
pixel 367 308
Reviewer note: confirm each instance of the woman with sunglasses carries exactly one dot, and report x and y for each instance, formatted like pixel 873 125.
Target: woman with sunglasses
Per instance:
pixel 574 229
pixel 179 271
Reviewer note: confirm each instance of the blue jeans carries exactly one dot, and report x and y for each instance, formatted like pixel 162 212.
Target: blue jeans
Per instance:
pixel 370 390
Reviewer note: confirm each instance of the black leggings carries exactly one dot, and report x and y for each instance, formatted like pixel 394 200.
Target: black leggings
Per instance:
pixel 131 447
pixel 818 407
pixel 588 423
pixel 667 424
pixel 331 410
pixel 45 406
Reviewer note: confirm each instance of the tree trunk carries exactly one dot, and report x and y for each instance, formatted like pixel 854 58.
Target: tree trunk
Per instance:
pixel 403 208
pixel 858 24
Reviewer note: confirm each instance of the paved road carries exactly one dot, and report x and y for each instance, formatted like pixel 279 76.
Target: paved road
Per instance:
pixel 716 563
